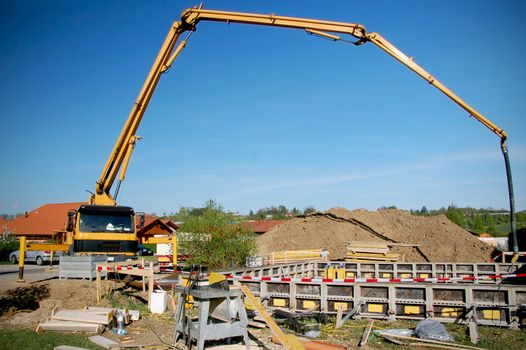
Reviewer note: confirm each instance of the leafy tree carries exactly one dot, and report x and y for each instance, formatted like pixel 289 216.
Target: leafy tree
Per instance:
pixel 215 239
pixel 478 224
pixel 456 216
pixel 308 210
pixel 295 211
pixel 424 211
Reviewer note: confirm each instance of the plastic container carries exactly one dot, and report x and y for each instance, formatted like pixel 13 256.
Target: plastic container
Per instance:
pixel 159 302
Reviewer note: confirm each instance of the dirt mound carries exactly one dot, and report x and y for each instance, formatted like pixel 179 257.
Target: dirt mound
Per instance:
pixel 439 239
pixel 63 294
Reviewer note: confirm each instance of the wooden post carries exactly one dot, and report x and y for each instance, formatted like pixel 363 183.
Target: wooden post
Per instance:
pixel 97 276
pixel 174 253
pixel 143 278
pixel 21 258
pixel 150 285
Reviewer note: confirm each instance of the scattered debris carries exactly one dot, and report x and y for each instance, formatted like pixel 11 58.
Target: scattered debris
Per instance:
pixel 90 319
pixel 69 326
pixel 432 330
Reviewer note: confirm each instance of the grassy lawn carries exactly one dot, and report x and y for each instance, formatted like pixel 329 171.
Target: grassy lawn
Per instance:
pixel 28 339
pixel 492 338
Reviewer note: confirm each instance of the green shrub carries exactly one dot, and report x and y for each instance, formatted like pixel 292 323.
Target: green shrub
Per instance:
pixel 6 247
pixel 215 239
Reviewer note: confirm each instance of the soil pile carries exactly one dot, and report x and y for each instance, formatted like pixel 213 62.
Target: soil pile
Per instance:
pixel 439 239
pixel 63 294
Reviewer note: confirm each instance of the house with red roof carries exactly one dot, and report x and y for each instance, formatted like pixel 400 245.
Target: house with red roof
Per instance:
pixel 261 226
pixel 43 222
pixel 155 226
pixel 3 225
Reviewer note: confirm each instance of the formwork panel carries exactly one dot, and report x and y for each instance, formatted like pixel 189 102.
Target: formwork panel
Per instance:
pixel 405 267
pixel 386 267
pixel 464 268
pixel 490 296
pixel 448 311
pixel 279 302
pixel 492 314
pixel 410 293
pixel 341 291
pixel 280 288
pixel 490 268
pixel 374 308
pixel 424 267
pixel 410 310
pixel 307 304
pixel 520 297
pixel 308 289
pixel 367 267
pixel 453 295
pixel 375 292
pixel 334 305
pixel 254 287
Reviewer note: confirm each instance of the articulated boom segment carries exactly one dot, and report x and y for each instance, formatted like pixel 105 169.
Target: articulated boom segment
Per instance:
pixel 120 155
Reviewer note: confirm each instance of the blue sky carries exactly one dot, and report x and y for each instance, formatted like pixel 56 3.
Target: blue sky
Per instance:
pixel 256 116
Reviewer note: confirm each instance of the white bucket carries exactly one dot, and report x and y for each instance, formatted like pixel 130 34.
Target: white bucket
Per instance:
pixel 159 302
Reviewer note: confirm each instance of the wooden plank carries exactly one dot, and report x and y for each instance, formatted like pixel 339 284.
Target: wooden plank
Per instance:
pixel 391 339
pixel 436 346
pixel 435 342
pixel 83 316
pixel 366 255
pixel 369 250
pixel 257 324
pixel 104 342
pixel 408 245
pixel 67 326
pixel 67 347
pixel 366 333
pixel 371 259
pixel 96 309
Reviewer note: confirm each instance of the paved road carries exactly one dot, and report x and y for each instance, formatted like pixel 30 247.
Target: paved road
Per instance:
pixel 32 273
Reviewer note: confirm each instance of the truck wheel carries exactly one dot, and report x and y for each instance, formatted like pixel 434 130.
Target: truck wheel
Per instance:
pixel 40 261
pixel 13 259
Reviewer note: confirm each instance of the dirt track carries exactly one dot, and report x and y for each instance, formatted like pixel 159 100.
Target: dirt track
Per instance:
pixel 439 239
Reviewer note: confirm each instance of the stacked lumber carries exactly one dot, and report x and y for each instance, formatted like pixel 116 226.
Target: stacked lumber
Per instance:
pixel 289 256
pixel 369 251
pixel 90 319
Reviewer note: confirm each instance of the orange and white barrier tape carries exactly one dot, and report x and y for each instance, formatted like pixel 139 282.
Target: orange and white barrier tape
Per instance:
pixel 375 280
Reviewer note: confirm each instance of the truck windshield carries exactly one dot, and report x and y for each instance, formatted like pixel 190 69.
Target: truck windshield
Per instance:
pixel 106 223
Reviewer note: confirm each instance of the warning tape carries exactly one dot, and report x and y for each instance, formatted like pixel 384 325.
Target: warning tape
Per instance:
pixel 120 268
pixel 374 280
pixel 336 280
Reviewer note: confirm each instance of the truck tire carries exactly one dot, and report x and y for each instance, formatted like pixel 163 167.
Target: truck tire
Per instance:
pixel 14 259
pixel 39 260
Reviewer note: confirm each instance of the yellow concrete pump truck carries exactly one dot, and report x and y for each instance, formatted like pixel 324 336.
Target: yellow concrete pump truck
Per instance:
pixel 103 227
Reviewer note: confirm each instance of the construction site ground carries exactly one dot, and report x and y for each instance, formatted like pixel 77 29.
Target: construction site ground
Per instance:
pixel 18 325
pixel 436 239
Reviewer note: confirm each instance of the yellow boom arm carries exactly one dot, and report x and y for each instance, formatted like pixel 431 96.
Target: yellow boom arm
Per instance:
pixel 188 22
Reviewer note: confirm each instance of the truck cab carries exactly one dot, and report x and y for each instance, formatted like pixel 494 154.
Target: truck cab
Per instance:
pixel 103 229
